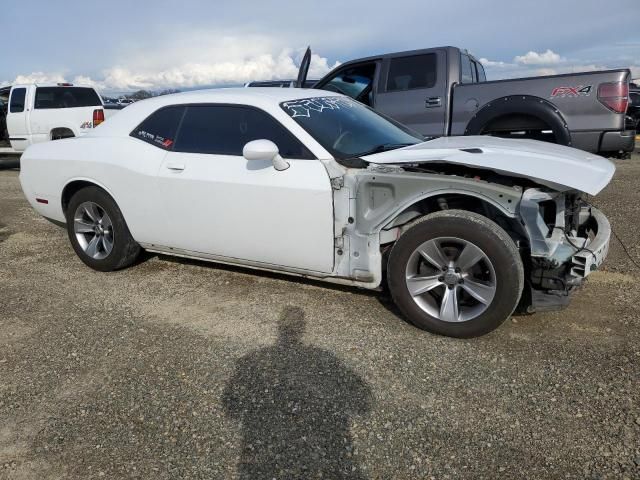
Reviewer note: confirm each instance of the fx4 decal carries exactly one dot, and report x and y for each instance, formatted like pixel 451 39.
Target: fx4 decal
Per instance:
pixel 579 91
pixel 84 125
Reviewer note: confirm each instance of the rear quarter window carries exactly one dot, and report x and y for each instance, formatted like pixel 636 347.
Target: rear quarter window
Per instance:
pixel 66 97
pixel 467 72
pixel 482 77
pixel 160 128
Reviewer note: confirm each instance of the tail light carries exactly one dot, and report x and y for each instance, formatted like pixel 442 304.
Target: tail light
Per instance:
pixel 98 117
pixel 614 96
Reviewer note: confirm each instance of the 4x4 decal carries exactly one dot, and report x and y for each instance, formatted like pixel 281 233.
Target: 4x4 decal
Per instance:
pixel 579 91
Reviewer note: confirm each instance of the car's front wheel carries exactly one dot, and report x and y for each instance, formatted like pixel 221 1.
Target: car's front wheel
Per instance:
pixel 97 231
pixel 455 273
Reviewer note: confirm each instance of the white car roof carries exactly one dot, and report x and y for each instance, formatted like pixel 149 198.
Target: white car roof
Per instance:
pixel 277 95
pixel 266 98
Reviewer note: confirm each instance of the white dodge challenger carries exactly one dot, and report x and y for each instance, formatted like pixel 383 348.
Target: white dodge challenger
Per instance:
pixel 464 230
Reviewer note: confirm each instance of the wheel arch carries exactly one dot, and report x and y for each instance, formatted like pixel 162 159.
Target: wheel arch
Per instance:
pixel 75 185
pixel 524 105
pixel 452 199
pixel 455 199
pixel 425 204
pixel 59 133
pixel 458 200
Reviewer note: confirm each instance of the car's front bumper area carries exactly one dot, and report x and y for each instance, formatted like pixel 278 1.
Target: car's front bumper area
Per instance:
pixel 565 251
pixel 592 255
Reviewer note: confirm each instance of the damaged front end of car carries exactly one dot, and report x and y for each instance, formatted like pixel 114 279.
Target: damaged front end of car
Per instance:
pixel 562 238
pixel 568 239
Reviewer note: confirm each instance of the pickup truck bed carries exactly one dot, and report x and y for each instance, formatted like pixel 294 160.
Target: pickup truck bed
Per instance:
pixel 566 105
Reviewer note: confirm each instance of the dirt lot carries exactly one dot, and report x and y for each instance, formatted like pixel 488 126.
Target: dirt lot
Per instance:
pixel 176 369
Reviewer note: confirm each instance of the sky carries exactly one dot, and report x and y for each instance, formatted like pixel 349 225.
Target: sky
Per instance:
pixel 123 46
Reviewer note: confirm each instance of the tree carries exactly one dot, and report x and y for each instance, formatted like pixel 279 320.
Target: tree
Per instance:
pixel 168 91
pixel 140 95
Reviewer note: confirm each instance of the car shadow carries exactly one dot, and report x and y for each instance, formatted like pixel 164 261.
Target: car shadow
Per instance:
pixel 146 256
pixel 294 403
pixel 382 295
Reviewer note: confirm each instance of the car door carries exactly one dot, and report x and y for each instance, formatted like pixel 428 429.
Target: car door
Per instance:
pixel 17 119
pixel 218 203
pixel 412 90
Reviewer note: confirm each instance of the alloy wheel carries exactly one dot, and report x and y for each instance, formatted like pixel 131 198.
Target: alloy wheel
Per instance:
pixel 93 230
pixel 451 279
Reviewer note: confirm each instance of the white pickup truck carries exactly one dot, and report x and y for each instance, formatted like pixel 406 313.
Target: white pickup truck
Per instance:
pixel 37 113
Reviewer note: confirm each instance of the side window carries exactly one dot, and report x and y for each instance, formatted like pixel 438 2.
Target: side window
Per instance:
pixel 409 73
pixel 66 97
pixel 466 69
pixel 481 75
pixel 225 130
pixel 16 104
pixel 160 127
pixel 355 82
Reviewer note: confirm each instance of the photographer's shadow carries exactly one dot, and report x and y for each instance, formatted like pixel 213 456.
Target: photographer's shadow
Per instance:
pixel 295 402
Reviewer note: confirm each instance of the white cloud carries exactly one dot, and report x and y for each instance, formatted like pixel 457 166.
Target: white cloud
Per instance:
pixel 493 64
pixel 501 70
pixel 534 58
pixel 261 67
pixel 40 77
pixel 265 66
pixel 534 64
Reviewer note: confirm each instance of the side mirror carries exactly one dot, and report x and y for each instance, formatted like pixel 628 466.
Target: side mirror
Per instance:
pixel 265 150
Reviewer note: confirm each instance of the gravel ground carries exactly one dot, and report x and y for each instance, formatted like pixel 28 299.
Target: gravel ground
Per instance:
pixel 180 369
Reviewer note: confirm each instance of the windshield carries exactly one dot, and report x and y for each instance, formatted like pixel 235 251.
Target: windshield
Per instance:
pixel 347 128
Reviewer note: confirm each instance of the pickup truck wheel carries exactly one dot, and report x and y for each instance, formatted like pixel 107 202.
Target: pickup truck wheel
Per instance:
pixel 455 273
pixel 98 232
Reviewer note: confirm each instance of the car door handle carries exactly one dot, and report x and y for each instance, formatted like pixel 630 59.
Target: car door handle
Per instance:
pixel 432 102
pixel 175 167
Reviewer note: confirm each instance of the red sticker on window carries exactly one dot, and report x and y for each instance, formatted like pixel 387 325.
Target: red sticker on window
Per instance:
pixel 167 143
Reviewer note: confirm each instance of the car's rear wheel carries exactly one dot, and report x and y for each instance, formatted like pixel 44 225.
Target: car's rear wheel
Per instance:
pixel 98 232
pixel 455 273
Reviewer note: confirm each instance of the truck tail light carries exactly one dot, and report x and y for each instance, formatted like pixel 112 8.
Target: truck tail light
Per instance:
pixel 614 96
pixel 98 117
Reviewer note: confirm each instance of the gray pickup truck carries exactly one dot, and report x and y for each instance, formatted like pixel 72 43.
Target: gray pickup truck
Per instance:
pixel 443 91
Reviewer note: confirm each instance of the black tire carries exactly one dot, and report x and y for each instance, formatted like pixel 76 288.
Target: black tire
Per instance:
pixel 494 242
pixel 7 162
pixel 125 249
